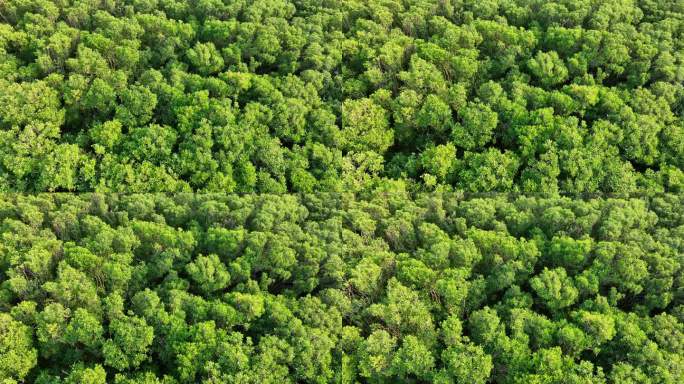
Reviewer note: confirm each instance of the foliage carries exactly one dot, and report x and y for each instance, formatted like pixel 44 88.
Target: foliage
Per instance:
pixel 341 288
pixel 273 96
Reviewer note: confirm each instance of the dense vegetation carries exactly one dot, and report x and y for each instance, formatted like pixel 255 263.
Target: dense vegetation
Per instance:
pixel 335 288
pixel 369 131
pixel 336 95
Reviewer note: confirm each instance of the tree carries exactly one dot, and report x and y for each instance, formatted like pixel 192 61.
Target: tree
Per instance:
pixel 137 106
pixel 487 171
pixel 404 313
pixel 548 68
pixel 128 345
pixel 205 58
pixel 555 288
pixel 413 359
pixel 467 363
pixel 439 161
pixel 209 273
pixel 16 347
pixel 375 355
pixel 477 128
pixel 85 375
pixel 365 126
pixel 434 116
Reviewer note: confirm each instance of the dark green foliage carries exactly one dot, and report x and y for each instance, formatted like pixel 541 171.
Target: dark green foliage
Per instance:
pixel 274 96
pixel 338 288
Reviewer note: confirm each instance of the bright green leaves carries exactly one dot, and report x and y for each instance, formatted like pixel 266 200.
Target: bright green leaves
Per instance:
pixel 336 287
pixel 505 259
pixel 491 170
pixel 224 242
pixel 423 77
pixel 136 107
pixel 551 366
pixel 415 273
pixel 485 326
pixel 30 156
pixel 73 289
pixel 290 119
pixel 65 169
pixel 451 331
pixel 568 253
pixel 413 359
pixel 555 288
pixel 250 306
pixel 599 327
pixel 641 139
pixel 548 68
pixel 17 354
pixel 403 312
pixel 626 373
pixel 438 162
pixel 453 288
pixel 329 97
pixel 160 246
pixel 80 374
pixel 106 135
pixel 31 104
pixel 375 355
pixel 405 107
pixel 205 58
pixel 209 273
pixel 477 128
pixel 153 142
pixel 365 277
pixel 41 264
pixel 270 253
pixel 88 63
pixel 541 175
pixel 365 126
pixel 466 363
pixel 129 343
pixel 380 99
pixel 99 98
pixel 434 116
pixel 84 329
pixel 572 339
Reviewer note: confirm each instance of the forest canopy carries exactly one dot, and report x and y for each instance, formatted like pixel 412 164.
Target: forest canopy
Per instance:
pixel 336 288
pixel 526 96
pixel 342 191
